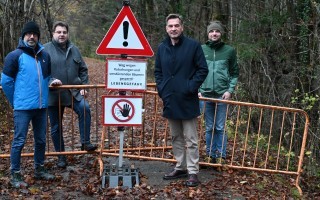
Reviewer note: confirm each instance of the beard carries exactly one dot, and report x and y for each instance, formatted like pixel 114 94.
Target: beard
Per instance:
pixel 31 43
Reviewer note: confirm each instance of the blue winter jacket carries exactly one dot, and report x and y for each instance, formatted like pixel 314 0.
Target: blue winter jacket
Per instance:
pixel 25 77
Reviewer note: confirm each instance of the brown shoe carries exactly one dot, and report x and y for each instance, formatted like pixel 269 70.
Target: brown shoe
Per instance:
pixel 193 180
pixel 175 174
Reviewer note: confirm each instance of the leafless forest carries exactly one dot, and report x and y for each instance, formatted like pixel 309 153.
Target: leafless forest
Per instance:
pixel 277 43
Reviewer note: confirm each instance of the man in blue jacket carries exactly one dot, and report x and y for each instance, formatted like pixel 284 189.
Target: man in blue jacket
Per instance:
pixel 180 69
pixel 25 82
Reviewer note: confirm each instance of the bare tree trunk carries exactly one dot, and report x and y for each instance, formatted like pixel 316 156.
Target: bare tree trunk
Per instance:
pixel 15 14
pixel 45 10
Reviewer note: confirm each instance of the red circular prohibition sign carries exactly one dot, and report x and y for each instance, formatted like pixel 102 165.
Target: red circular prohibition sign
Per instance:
pixel 116 104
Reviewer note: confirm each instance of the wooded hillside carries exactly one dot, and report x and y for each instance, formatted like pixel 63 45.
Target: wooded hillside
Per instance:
pixel 277 42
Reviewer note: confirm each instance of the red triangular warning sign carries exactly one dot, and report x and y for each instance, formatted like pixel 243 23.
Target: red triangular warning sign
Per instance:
pixel 125 37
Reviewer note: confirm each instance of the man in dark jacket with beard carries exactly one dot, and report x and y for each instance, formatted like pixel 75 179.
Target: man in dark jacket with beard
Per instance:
pixel 180 69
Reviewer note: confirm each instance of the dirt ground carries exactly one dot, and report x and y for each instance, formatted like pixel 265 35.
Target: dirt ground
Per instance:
pixel 81 180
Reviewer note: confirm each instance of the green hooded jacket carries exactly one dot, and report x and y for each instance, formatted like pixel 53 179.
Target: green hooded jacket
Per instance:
pixel 223 69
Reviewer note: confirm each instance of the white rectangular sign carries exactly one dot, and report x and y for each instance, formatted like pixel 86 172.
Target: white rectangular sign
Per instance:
pixel 122 110
pixel 124 74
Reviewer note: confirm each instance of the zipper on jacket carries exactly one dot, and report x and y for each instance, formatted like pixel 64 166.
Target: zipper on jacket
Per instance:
pixel 214 66
pixel 40 88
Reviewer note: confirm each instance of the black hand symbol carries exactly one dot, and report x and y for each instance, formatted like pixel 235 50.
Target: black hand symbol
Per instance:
pixel 126 110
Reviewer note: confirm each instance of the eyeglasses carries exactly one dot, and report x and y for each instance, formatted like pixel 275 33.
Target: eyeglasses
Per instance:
pixel 63 32
pixel 31 33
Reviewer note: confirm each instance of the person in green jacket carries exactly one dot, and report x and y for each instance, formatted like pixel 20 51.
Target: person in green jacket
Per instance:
pixel 220 84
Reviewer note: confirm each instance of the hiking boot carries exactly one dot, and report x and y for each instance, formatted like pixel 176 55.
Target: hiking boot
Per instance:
pixel 221 161
pixel 16 180
pixel 210 159
pixel 62 162
pixel 175 174
pixel 193 180
pixel 88 147
pixel 41 173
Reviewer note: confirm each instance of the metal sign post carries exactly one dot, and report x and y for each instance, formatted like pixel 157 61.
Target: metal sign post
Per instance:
pixel 121 148
pixel 121 132
pixel 124 38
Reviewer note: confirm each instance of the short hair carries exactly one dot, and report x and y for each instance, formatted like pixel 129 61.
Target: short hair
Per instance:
pixel 60 23
pixel 174 16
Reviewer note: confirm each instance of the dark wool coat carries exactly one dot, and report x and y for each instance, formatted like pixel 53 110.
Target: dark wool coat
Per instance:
pixel 179 72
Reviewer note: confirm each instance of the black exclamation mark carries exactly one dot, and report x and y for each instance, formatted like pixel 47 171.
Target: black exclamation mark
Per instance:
pixel 125 32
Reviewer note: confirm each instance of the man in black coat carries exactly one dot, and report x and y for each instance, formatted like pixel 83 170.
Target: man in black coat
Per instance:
pixel 180 69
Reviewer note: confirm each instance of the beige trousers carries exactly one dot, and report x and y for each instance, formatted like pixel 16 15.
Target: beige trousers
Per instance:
pixel 185 144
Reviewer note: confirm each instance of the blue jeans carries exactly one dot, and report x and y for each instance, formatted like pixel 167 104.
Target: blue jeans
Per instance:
pixel 22 119
pixel 216 138
pixel 84 117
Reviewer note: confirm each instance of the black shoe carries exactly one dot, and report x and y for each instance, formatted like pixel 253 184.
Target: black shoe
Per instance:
pixel 62 162
pixel 193 180
pixel 41 173
pixel 16 180
pixel 88 147
pixel 175 174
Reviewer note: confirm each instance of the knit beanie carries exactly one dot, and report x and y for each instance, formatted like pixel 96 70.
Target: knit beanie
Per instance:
pixel 215 25
pixel 30 27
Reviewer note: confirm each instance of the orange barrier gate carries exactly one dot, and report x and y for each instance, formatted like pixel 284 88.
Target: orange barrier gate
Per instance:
pixel 261 138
